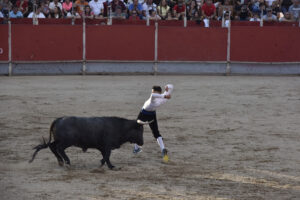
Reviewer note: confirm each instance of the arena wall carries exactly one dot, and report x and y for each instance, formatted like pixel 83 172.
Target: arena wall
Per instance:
pixel 46 42
pixel 132 43
pixel 266 44
pixel 192 44
pixel 3 43
pixel 134 48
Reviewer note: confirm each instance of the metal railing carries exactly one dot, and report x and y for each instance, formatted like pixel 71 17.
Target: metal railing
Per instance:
pixel 147 22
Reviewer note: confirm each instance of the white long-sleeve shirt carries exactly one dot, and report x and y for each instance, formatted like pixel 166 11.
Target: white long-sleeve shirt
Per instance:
pixel 156 100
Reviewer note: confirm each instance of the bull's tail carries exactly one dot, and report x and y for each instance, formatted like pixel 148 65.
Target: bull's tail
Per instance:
pixel 44 145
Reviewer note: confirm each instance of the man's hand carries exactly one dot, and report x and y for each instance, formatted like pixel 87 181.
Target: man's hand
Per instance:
pixel 166 88
pixel 168 96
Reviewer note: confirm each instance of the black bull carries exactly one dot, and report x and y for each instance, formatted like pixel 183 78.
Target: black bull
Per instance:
pixel 102 133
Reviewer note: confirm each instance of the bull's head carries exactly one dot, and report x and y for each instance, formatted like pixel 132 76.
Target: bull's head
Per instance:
pixel 139 139
pixel 136 132
pixel 139 125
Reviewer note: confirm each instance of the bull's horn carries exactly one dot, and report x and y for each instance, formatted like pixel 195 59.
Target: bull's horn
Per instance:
pixel 144 123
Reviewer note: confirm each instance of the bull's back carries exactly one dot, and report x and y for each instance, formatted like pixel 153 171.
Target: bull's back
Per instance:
pixel 89 132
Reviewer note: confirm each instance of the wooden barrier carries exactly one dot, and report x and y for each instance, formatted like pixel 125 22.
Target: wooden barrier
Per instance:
pixel 46 43
pixel 265 44
pixel 192 44
pixel 4 42
pixel 64 42
pixel 130 43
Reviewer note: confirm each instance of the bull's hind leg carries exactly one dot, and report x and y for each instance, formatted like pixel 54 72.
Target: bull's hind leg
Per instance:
pixel 53 148
pixel 61 152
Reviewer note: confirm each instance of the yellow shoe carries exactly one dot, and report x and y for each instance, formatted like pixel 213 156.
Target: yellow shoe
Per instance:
pixel 165 155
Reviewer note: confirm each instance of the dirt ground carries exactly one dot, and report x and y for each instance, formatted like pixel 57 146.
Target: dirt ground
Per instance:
pixel 229 138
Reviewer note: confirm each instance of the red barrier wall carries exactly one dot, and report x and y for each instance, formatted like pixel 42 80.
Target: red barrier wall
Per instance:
pixel 120 43
pixel 46 43
pixel 244 23
pixel 192 44
pixel 136 43
pixel 265 44
pixel 4 43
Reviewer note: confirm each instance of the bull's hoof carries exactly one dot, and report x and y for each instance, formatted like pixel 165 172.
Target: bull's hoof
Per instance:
pixel 112 167
pixel 116 168
pixel 61 163
pixel 68 166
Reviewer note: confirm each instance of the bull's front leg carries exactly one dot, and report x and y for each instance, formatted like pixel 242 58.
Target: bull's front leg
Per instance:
pixel 106 157
pixel 103 155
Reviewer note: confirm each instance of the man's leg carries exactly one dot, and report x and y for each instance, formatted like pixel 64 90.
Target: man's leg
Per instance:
pixel 160 143
pixel 158 137
pixel 156 134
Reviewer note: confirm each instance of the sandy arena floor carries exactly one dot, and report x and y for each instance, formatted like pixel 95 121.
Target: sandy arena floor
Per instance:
pixel 230 138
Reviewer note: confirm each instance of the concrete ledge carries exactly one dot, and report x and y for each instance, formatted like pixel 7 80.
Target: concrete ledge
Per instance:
pixel 191 68
pixel 265 69
pixel 46 68
pixel 119 68
pixel 184 68
pixel 3 68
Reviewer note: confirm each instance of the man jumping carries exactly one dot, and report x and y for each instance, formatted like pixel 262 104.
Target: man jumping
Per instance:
pixel 148 114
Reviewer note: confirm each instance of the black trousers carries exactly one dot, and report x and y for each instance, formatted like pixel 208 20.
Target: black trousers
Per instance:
pixel 147 116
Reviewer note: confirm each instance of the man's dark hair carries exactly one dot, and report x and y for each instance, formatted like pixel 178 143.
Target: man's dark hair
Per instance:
pixel 156 88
